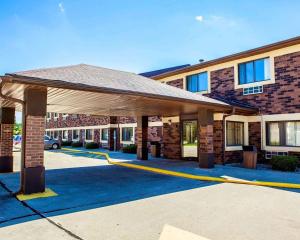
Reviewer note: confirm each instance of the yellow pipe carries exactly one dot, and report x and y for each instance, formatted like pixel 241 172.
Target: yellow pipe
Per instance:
pixel 187 175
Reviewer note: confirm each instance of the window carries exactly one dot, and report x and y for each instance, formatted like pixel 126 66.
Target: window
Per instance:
pixel 234 133
pixel 48 115
pixel 75 134
pixel 55 135
pixel 65 135
pixel 104 134
pixel 283 133
pixel 197 82
pixel 89 134
pixel 55 115
pixel 127 134
pixel 254 71
pixel 64 115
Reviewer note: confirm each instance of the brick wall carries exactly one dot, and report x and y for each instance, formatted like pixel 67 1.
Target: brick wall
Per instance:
pixel 34 150
pixel 255 138
pixel 176 83
pixel 76 120
pixel 6 141
pixel 278 98
pixel 218 141
pixel 171 141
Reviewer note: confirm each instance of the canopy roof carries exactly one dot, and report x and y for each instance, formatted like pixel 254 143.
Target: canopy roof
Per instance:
pixel 100 91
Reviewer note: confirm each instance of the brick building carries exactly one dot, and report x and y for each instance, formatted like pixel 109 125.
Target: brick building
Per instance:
pixel 266 79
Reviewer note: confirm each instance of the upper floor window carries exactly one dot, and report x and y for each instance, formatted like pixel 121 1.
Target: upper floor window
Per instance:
pixel 283 133
pixel 234 133
pixel 254 71
pixel 197 82
pixel 48 115
pixel 55 115
pixel 127 134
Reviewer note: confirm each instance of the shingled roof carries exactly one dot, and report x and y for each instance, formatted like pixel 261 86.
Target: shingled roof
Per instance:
pixel 163 70
pixel 101 79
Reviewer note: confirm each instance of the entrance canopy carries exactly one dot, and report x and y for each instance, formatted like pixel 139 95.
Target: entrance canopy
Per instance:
pixel 95 90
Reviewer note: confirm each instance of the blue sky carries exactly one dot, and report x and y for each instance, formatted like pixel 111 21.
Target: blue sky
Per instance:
pixel 136 35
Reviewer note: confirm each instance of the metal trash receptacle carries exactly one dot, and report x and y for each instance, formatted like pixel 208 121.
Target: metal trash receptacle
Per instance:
pixel 249 156
pixel 155 149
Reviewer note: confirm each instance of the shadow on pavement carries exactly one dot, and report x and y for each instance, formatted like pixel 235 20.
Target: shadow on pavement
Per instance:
pixel 86 188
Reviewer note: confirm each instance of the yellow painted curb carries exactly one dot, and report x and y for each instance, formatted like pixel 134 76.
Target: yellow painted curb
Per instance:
pixel 188 175
pixel 48 193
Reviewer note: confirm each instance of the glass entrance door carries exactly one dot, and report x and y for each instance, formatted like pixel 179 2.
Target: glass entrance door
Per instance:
pixel 189 139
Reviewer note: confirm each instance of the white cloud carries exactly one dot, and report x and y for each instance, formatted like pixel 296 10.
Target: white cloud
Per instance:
pixel 61 7
pixel 217 21
pixel 199 18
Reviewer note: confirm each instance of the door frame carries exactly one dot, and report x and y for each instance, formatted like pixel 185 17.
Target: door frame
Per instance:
pixel 183 118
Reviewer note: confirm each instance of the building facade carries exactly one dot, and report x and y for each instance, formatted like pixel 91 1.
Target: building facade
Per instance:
pixel 266 79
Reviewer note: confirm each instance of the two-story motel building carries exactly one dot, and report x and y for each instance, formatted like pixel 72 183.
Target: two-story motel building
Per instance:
pixel 265 80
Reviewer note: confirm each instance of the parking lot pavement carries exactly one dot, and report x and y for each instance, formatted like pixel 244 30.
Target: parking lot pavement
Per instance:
pixel 100 201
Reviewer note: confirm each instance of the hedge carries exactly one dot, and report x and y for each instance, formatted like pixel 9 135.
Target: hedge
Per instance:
pixel 132 148
pixel 76 144
pixel 284 163
pixel 91 145
pixel 66 143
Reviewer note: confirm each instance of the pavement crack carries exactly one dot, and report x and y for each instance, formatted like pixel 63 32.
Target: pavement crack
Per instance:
pixel 36 212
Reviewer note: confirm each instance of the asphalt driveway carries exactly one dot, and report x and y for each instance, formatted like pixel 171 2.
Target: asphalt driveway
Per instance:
pixel 100 201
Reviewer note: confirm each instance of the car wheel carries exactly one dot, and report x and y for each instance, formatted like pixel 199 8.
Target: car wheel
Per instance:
pixel 54 146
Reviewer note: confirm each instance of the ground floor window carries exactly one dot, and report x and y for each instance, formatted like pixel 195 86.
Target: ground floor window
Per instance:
pixel 89 134
pixel 55 135
pixel 283 133
pixel 104 134
pixel 65 134
pixel 234 133
pixel 75 134
pixel 127 134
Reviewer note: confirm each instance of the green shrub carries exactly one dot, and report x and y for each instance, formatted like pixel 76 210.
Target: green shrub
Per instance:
pixel 66 143
pixel 129 148
pixel 76 144
pixel 91 145
pixel 284 163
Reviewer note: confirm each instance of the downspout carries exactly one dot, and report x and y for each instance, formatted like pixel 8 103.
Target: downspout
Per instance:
pixel 11 99
pixel 223 133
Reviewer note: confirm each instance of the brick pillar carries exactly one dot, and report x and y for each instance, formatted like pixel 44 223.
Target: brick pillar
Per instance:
pixel 172 139
pixel 205 138
pixel 113 135
pixel 142 137
pixel 33 170
pixel 7 119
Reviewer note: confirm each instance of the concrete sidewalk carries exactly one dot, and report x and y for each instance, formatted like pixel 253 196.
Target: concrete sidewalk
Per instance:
pixel 100 201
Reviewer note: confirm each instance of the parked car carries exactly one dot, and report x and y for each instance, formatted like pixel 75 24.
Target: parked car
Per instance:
pixel 51 143
pixel 17 141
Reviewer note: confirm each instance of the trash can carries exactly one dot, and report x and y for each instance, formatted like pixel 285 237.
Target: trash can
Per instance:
pixel 249 156
pixel 155 149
